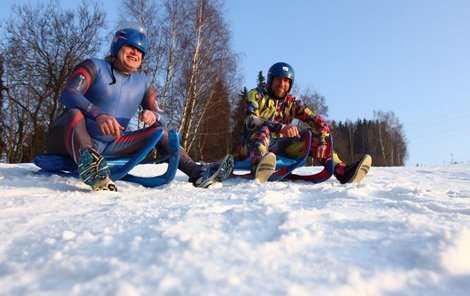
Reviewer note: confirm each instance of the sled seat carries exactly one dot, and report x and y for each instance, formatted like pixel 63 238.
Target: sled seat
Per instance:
pixel 121 166
pixel 285 165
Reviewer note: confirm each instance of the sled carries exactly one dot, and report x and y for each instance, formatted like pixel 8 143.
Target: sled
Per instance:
pixel 285 166
pixel 121 166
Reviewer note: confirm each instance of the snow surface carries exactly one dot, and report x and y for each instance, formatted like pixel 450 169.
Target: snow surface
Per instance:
pixel 403 231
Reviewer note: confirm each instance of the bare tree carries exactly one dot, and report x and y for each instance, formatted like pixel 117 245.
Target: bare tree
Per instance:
pixel 391 138
pixel 193 89
pixel 212 63
pixel 315 101
pixel 351 132
pixel 173 26
pixel 2 113
pixel 177 28
pixel 189 57
pixel 42 45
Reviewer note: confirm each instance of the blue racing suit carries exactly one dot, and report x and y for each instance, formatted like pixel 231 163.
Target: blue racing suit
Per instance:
pixel 96 88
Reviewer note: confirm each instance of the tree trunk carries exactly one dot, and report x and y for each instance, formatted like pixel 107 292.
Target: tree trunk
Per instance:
pixel 190 102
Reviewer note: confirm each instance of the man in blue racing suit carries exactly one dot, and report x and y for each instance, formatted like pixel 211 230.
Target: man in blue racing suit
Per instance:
pixel 101 97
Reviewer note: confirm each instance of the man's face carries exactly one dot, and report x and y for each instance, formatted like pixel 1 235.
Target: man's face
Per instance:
pixel 129 59
pixel 280 86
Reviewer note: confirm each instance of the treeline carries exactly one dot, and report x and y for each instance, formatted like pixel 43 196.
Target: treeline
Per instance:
pixel 190 60
pixel 383 138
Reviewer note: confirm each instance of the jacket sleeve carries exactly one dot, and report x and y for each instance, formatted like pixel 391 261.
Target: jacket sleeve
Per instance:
pixel 253 118
pixel 313 120
pixel 77 84
pixel 150 103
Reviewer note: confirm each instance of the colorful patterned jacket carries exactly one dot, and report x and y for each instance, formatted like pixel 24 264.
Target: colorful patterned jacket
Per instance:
pixel 263 110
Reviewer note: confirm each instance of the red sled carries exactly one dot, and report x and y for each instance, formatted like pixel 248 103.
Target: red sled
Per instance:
pixel 285 166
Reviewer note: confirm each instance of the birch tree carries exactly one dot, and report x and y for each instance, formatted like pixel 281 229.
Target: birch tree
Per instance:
pixel 192 57
pixel 3 126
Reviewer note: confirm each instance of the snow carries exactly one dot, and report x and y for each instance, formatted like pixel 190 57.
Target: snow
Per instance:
pixel 402 231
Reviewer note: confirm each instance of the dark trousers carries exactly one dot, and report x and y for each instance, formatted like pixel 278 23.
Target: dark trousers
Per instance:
pixel 70 134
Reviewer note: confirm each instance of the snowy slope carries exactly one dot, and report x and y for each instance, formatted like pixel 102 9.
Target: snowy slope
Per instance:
pixel 403 231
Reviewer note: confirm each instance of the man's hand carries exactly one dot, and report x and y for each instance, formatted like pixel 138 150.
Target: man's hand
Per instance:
pixel 148 117
pixel 321 151
pixel 108 125
pixel 290 131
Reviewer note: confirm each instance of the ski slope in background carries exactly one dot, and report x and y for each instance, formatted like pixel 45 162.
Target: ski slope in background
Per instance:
pixel 403 231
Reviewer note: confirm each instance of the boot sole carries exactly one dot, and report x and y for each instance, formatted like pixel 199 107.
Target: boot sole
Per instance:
pixel 105 184
pixel 265 168
pixel 225 169
pixel 223 172
pixel 362 169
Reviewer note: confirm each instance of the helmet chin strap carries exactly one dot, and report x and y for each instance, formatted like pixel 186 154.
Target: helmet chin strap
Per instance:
pixel 113 67
pixel 112 74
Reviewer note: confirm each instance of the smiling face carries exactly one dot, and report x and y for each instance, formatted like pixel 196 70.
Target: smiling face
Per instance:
pixel 128 59
pixel 280 86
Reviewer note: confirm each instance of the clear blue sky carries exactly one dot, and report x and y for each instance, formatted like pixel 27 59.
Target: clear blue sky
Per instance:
pixel 409 57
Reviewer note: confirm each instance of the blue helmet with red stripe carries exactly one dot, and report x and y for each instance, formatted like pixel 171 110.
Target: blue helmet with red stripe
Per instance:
pixel 134 36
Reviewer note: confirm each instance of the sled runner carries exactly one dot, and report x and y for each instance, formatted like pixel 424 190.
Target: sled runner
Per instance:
pixel 285 166
pixel 121 166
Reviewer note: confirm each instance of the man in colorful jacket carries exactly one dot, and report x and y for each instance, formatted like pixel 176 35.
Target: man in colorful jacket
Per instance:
pixel 268 129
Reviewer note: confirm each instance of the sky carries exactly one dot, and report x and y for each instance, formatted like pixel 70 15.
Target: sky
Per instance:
pixel 411 58
pixel 401 231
